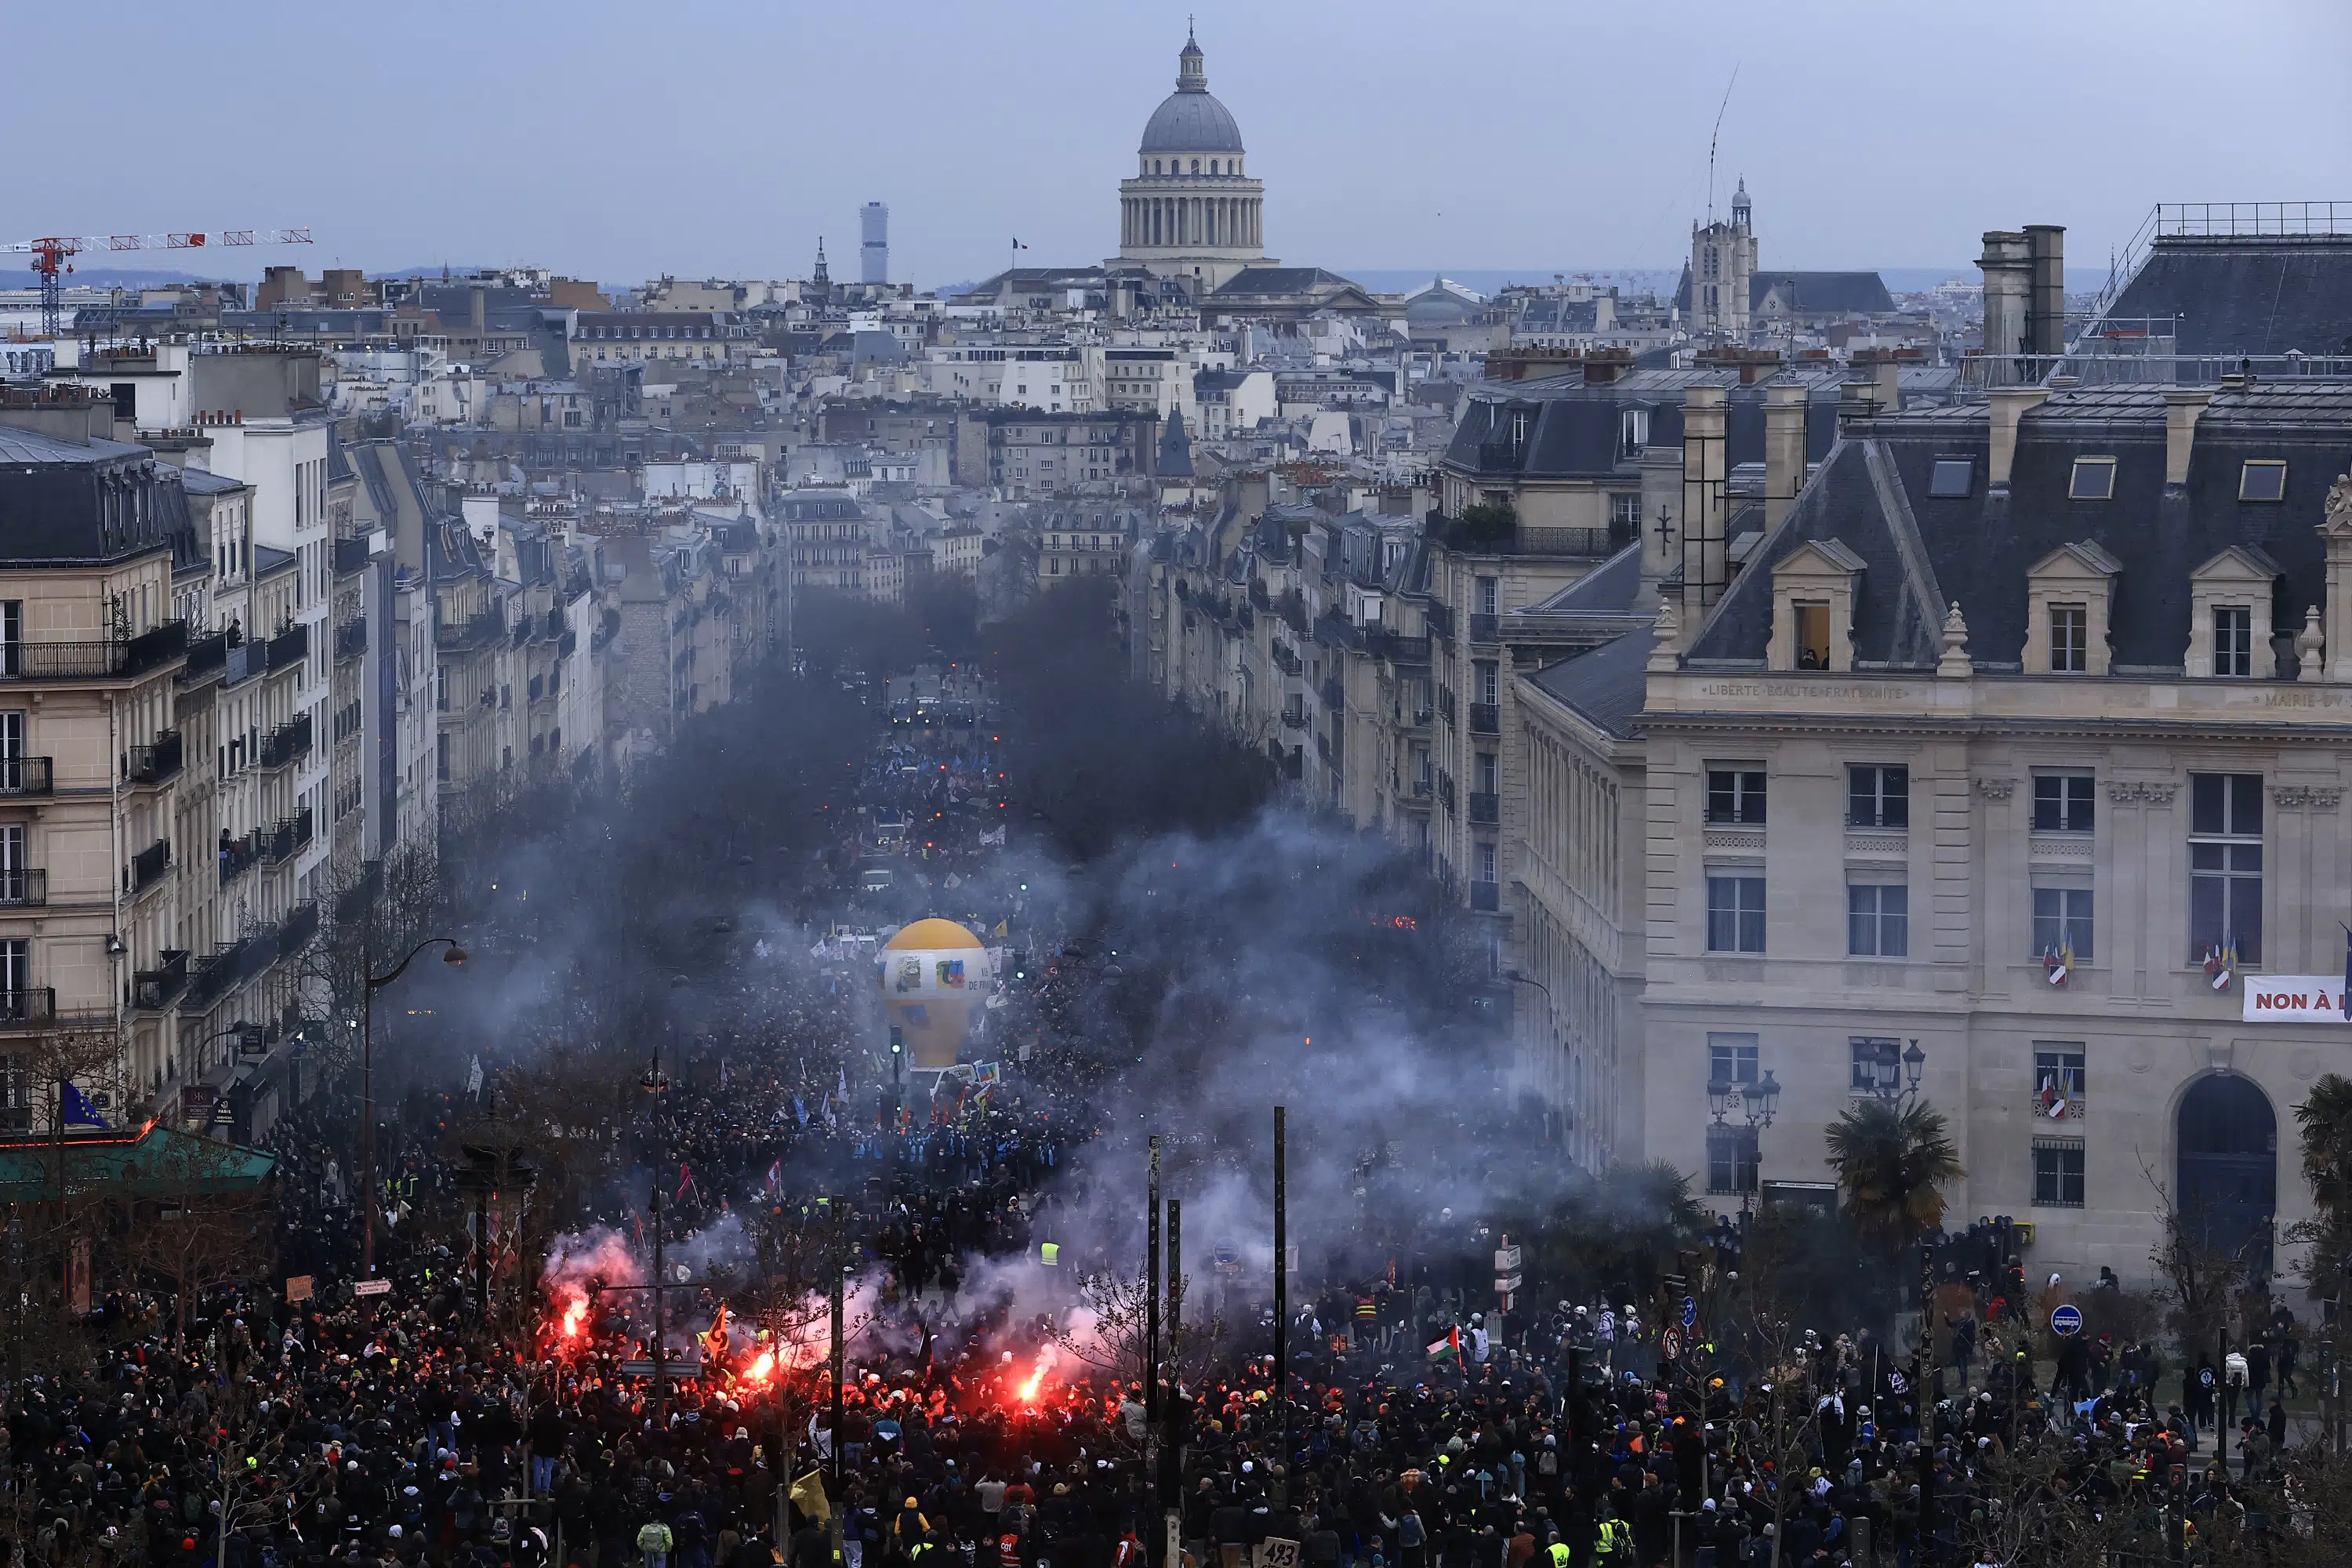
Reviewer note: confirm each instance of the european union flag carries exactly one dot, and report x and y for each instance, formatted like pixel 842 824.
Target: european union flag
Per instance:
pixel 78 1112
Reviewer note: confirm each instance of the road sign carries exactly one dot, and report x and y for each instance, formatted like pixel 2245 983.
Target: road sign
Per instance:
pixel 2066 1320
pixel 1507 1260
pixel 1507 1283
pixel 1690 1310
pixel 371 1287
pixel 680 1367
pixel 1670 1343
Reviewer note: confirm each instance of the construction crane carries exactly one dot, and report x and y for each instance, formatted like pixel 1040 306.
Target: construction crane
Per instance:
pixel 49 255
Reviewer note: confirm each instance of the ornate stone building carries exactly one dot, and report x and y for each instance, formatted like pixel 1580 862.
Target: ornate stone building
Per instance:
pixel 2022 735
pixel 1190 211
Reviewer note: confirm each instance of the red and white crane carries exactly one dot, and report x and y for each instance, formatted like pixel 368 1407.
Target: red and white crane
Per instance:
pixel 50 252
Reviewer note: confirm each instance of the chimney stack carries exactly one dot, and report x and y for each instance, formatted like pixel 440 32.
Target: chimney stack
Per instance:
pixel 2008 267
pixel 2045 316
pixel 2008 404
pixel 1784 449
pixel 2183 407
pixel 1705 567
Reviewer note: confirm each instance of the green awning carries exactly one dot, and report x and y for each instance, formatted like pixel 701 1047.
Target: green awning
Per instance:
pixel 155 1162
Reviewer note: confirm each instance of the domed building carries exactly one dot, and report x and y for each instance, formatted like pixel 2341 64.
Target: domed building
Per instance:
pixel 1190 211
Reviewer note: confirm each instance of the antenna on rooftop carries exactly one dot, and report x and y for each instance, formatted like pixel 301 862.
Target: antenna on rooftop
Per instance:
pixel 1715 135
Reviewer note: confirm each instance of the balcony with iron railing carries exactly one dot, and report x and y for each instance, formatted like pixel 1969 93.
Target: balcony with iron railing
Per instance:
pixel 33 1007
pixel 351 639
pixel 1486 897
pixel 287 744
pixel 227 968
pixel 147 868
pixel 1485 628
pixel 299 926
pixel 350 555
pixel 1485 810
pixel 24 887
pixel 289 648
pixel 1286 661
pixel 124 658
pixel 238 856
pixel 1486 718
pixel 22 776
pixel 153 990
pixel 158 762
pixel 287 837
pixel 207 654
pixel 479 632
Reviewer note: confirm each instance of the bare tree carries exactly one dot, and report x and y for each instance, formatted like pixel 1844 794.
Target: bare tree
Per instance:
pixel 195 1218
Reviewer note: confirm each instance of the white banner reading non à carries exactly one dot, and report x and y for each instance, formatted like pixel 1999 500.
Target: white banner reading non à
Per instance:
pixel 2293 999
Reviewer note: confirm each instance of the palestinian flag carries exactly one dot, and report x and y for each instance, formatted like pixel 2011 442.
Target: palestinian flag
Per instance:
pixel 1447 1349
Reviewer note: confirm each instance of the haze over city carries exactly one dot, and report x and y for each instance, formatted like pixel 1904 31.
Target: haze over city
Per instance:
pixel 1288 786
pixel 724 140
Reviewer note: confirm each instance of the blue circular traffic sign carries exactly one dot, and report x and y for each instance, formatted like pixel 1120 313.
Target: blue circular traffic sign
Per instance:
pixel 2066 1320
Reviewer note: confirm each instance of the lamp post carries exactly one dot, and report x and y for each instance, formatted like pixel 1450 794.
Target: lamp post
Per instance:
pixel 1894 1083
pixel 1754 1104
pixel 1515 978
pixel 372 983
pixel 1895 1074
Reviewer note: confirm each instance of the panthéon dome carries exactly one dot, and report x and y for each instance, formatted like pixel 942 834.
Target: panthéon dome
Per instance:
pixel 1190 119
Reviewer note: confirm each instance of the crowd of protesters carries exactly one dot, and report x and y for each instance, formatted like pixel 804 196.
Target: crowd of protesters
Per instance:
pixel 982 1426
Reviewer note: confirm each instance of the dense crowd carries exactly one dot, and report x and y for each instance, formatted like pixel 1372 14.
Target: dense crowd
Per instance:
pixel 1002 1422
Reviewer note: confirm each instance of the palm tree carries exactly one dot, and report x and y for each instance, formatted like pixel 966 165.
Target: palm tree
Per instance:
pixel 2326 1120
pixel 1891 1165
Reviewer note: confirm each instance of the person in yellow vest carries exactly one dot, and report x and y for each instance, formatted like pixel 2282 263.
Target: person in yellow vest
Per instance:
pixel 1556 1552
pixel 1612 1544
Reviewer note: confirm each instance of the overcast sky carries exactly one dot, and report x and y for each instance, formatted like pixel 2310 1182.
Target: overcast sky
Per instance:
pixel 617 141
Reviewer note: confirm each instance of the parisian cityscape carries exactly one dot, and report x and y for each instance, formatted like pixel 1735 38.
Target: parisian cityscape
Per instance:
pixel 1559 790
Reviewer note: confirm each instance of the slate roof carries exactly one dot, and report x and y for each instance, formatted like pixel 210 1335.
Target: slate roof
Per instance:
pixel 2244 295
pixel 35 447
pixel 1608 589
pixel 1822 293
pixel 1607 685
pixel 1254 281
pixel 1921 553
pixel 1575 429
pixel 1808 294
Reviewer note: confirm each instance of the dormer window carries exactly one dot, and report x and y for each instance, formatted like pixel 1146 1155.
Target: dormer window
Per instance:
pixel 1518 430
pixel 2262 478
pixel 1813 589
pixel 2067 593
pixel 1632 431
pixel 2070 640
pixel 2229 608
pixel 2094 480
pixel 2234 640
pixel 1813 635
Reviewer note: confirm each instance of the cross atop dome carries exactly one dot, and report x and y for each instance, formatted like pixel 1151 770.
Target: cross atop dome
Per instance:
pixel 1192 68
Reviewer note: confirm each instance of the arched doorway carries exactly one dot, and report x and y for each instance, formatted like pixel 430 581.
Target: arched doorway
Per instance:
pixel 2228 1180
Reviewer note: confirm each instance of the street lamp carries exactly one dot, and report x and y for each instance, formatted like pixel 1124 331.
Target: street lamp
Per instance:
pixel 1895 1074
pixel 1755 1104
pixel 1515 978
pixel 370 985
